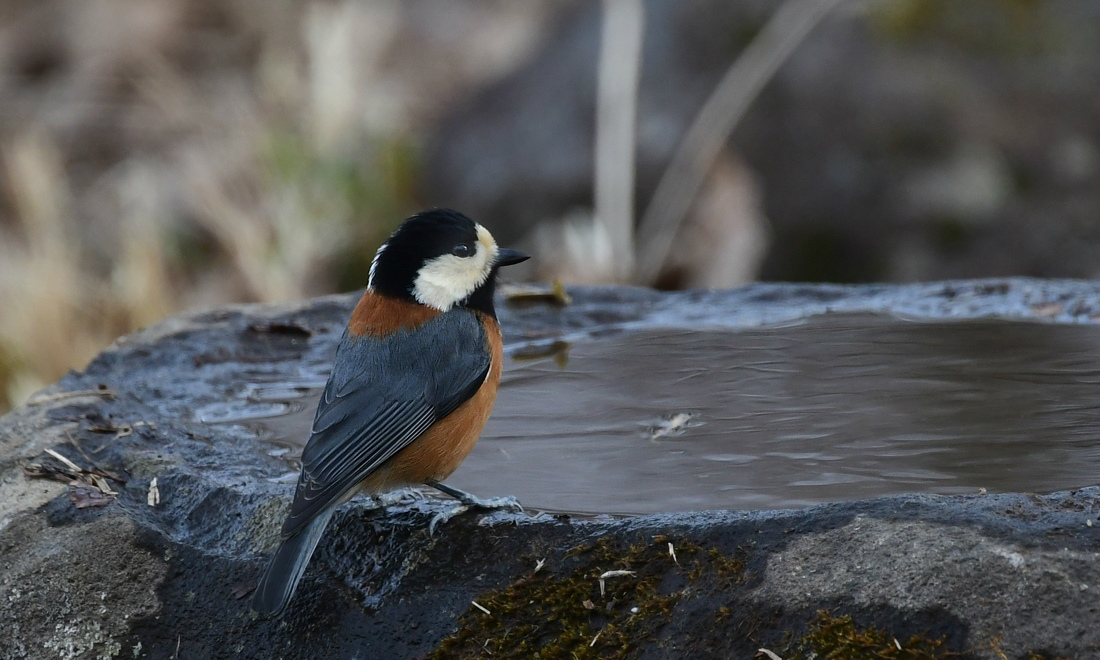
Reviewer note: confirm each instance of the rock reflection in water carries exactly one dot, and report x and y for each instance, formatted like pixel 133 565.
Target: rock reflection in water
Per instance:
pixel 839 407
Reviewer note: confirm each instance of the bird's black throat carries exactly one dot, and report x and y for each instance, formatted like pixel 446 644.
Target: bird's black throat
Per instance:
pixel 482 298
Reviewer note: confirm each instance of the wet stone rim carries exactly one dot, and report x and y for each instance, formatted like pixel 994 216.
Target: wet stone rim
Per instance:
pixel 210 518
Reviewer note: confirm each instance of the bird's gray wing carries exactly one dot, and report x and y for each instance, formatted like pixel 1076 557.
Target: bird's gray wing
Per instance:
pixel 382 394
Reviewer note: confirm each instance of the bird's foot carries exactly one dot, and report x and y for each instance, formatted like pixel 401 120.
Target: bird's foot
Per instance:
pixel 492 503
pixel 469 501
pixel 444 516
pixel 403 496
pixel 475 502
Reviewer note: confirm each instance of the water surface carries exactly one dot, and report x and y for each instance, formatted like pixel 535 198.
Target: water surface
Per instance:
pixel 837 407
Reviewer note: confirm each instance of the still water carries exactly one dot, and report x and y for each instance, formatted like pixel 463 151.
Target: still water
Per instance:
pixel 837 407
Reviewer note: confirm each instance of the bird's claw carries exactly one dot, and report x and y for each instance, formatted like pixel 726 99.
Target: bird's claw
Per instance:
pixel 492 503
pixel 403 496
pixel 470 502
pixel 444 516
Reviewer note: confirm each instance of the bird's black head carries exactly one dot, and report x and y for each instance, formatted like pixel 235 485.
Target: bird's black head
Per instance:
pixel 441 258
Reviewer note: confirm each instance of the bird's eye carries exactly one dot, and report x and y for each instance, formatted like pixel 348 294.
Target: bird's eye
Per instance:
pixel 461 250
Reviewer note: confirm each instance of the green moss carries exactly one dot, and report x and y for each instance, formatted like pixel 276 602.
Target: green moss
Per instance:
pixel 838 638
pixel 731 569
pixel 560 613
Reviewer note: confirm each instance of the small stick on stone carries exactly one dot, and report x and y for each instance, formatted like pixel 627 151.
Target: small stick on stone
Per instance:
pixel 153 497
pixel 60 396
pixel 69 464
pixel 611 574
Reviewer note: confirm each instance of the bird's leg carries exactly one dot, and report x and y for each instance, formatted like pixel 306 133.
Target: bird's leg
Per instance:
pixel 468 501
pixel 403 496
pixel 474 501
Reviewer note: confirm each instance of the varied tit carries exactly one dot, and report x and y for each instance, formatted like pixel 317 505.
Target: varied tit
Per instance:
pixel 412 384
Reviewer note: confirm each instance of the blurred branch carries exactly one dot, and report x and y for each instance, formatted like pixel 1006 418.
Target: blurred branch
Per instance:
pixel 616 103
pixel 716 120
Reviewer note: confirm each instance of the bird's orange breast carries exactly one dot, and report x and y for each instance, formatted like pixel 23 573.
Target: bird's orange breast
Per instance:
pixel 380 315
pixel 442 448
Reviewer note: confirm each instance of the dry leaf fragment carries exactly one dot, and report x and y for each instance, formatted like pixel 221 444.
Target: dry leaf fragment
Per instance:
pixel 611 574
pixel 102 485
pixel 91 486
pixel 60 396
pixel 522 293
pixel 560 295
pixel 83 498
pixel 69 464
pixel 153 497
pixel 41 471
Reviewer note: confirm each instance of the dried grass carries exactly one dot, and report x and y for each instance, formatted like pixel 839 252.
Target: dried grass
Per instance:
pixel 198 153
pixel 48 305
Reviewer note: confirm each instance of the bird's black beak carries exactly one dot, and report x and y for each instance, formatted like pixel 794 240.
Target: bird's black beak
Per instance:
pixel 508 257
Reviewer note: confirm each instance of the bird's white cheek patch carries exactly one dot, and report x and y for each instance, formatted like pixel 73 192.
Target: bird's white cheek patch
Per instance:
pixel 447 279
pixel 485 242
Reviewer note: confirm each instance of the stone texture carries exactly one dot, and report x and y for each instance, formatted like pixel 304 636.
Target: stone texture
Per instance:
pixel 990 574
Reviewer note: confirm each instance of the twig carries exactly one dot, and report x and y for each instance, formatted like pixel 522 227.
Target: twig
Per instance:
pixel 674 194
pixel 616 106
pixel 60 396
pixel 611 574
pixel 69 464
pixel 152 498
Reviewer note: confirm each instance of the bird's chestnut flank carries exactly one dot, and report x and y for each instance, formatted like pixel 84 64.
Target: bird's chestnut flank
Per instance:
pixel 412 384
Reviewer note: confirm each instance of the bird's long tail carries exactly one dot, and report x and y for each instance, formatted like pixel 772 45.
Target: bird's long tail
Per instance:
pixel 281 578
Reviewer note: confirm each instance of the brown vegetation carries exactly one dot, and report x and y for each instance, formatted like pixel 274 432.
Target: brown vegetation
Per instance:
pixel 179 154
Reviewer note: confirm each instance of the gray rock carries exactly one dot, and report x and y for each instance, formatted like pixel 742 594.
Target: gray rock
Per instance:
pixel 87 575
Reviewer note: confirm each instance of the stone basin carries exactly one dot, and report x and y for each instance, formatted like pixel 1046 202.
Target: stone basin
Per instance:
pixel 830 408
pixel 865 452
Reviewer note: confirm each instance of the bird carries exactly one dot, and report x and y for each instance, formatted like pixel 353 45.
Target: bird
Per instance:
pixel 413 383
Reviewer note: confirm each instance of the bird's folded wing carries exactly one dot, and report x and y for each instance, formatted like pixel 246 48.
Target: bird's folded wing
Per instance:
pixel 383 393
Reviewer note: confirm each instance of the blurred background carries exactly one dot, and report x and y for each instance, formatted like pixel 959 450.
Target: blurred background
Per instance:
pixel 163 155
